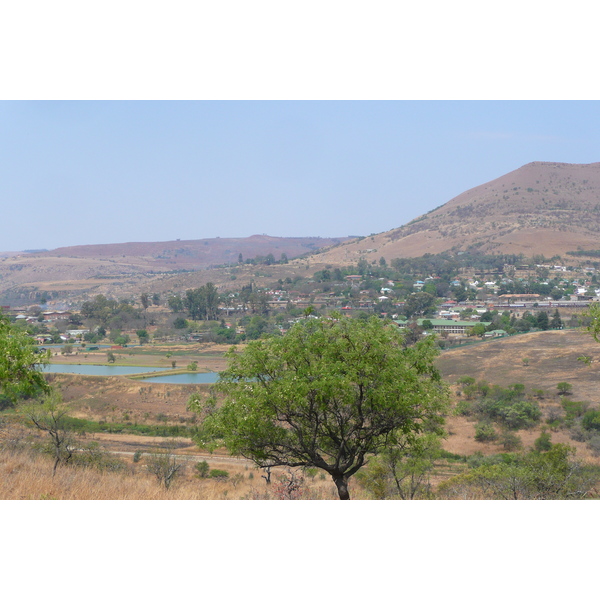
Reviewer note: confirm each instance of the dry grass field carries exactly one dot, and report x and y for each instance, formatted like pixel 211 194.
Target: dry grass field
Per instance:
pixel 538 361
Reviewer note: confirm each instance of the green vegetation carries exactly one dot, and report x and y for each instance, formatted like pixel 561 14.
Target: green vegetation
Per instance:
pixel 328 394
pixel 508 407
pixel 536 475
pixel 19 377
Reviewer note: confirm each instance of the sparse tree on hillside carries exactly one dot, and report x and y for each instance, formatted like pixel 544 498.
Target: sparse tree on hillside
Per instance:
pixel 164 465
pixel 51 416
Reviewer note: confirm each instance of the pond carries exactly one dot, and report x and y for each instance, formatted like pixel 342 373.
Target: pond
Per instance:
pixel 183 378
pixel 100 369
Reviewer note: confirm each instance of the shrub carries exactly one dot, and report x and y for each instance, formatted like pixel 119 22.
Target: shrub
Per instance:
pixel 573 409
pixel 485 432
pixel 594 445
pixel 164 466
pixel 289 486
pixel 137 456
pixel 92 456
pixel 202 469
pixel 511 441
pixel 543 443
pixel 464 409
pixel 591 420
pixel 218 474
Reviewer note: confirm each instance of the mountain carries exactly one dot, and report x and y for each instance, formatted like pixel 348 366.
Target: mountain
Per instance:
pixel 541 208
pixel 126 268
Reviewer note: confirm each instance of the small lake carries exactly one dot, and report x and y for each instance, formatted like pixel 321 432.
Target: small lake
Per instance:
pixel 183 378
pixel 100 369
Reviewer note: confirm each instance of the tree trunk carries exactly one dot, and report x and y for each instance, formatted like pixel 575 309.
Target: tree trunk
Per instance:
pixel 342 486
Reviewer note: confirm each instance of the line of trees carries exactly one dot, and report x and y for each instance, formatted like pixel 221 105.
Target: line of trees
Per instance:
pixel 199 303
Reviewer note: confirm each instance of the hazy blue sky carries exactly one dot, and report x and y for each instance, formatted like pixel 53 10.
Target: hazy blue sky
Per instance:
pixel 85 172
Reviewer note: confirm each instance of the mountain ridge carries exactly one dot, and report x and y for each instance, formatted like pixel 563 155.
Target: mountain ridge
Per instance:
pixel 541 208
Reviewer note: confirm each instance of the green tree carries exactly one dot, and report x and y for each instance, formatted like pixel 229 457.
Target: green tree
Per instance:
pixel 556 321
pixel 593 314
pixel 145 300
pixel 563 388
pixel 477 330
pixel 420 303
pixel 202 302
pixel 143 336
pixel 19 374
pixel 175 303
pixel 329 394
pixel 543 322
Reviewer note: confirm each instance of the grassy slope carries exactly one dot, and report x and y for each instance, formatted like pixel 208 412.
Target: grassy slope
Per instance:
pixel 552 358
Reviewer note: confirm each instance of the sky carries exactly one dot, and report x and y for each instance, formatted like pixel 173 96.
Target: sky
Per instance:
pixel 95 172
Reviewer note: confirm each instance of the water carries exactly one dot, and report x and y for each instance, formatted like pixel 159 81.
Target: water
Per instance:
pixel 100 369
pixel 184 378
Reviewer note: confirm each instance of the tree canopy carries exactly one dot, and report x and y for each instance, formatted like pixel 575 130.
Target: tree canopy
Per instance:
pixel 18 359
pixel 330 393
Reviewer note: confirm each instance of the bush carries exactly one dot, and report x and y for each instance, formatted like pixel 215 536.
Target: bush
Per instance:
pixel 511 441
pixel 573 409
pixel 218 474
pixel 509 407
pixel 594 445
pixel 543 443
pixel 92 456
pixel 202 469
pixel 485 432
pixel 164 466
pixel 137 456
pixel 591 420
pixel 464 409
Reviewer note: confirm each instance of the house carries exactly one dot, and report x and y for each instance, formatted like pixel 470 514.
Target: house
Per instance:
pixel 442 325
pixel 495 333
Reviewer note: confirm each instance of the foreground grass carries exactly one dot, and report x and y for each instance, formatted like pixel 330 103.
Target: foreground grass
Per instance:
pixel 27 475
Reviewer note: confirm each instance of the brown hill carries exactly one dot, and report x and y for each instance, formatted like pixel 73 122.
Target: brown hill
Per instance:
pixel 195 254
pixel 541 208
pixel 129 267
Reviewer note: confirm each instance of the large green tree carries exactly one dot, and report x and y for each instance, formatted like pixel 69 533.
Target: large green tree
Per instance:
pixel 19 374
pixel 330 393
pixel 202 302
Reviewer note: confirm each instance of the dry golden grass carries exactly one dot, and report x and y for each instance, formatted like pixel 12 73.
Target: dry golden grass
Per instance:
pixel 26 475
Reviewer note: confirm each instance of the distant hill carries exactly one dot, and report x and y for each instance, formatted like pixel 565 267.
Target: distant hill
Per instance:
pixel 195 254
pixel 128 267
pixel 541 208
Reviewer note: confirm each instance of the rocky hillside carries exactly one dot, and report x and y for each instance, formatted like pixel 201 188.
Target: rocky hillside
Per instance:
pixel 541 208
